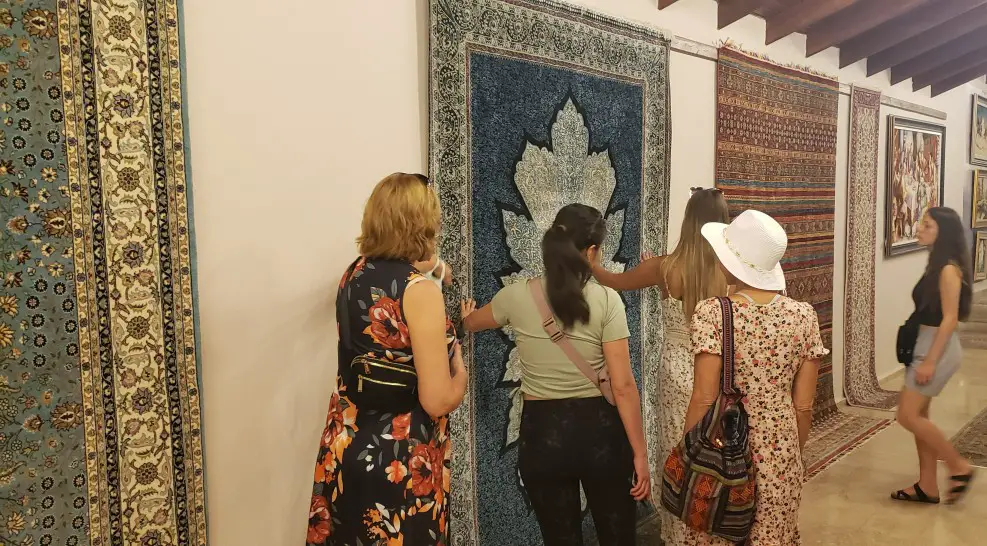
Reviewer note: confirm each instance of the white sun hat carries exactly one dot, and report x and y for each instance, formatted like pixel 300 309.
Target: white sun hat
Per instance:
pixel 751 248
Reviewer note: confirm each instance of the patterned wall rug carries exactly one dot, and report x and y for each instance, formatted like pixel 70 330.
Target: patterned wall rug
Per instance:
pixel 99 400
pixel 535 104
pixel 776 152
pixel 860 382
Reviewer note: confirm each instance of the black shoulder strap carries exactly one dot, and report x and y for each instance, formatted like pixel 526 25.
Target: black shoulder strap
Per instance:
pixel 342 307
pixel 727 340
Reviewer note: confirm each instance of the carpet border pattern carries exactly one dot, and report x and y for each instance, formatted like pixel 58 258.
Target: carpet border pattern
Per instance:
pixel 860 382
pixel 98 155
pixel 568 36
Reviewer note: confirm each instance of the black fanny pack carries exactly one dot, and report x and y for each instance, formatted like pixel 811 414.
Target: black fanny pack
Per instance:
pixel 907 336
pixel 382 384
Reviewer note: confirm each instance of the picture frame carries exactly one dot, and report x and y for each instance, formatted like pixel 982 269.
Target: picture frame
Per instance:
pixel 980 257
pixel 978 131
pixel 915 180
pixel 978 200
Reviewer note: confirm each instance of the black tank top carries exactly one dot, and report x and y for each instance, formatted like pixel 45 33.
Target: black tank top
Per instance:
pixel 928 303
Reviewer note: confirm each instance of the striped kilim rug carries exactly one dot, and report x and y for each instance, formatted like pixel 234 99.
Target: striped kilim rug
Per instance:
pixel 776 152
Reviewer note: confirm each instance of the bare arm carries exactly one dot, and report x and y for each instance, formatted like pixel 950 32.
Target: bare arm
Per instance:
pixel 950 283
pixel 647 273
pixel 804 395
pixel 440 390
pixel 618 358
pixel 478 320
pixel 706 388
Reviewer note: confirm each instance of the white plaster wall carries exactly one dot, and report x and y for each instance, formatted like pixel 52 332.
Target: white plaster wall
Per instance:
pixel 289 132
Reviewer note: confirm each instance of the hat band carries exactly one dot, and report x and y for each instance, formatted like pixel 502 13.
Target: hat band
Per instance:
pixel 741 258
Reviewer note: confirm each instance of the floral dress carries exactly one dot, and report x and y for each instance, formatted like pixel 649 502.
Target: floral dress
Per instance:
pixel 674 391
pixel 380 478
pixel 771 343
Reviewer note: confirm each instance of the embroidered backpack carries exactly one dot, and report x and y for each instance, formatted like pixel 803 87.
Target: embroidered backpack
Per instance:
pixel 709 477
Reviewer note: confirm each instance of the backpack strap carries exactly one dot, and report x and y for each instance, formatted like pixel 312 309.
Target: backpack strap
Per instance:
pixel 556 334
pixel 727 340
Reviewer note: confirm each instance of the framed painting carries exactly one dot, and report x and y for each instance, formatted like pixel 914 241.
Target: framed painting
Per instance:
pixel 978 199
pixel 915 180
pixel 978 132
pixel 980 257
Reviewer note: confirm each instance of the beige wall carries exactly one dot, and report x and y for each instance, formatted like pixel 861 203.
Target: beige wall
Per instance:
pixel 295 113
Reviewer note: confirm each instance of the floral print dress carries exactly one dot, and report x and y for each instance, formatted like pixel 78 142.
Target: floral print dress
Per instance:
pixel 380 478
pixel 674 391
pixel 771 343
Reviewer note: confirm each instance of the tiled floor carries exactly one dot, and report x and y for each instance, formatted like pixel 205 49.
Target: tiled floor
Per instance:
pixel 848 504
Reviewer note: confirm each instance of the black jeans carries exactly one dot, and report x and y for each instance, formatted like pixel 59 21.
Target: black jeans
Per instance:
pixel 567 442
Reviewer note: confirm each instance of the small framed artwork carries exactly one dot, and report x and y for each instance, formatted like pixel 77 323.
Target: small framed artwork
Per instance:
pixel 980 257
pixel 978 214
pixel 978 132
pixel 915 180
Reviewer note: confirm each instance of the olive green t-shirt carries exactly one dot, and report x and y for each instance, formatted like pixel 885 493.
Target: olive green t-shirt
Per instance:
pixel 546 372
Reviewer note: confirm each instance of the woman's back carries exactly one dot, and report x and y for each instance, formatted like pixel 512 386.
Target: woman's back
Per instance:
pixel 771 343
pixel 547 373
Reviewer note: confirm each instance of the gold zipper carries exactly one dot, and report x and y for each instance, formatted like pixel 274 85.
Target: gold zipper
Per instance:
pixel 359 387
pixel 368 363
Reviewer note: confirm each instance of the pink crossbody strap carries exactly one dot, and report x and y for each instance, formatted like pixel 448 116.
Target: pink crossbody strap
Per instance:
pixel 601 380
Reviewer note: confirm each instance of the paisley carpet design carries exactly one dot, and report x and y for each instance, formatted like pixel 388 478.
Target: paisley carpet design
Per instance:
pixel 100 440
pixel 534 105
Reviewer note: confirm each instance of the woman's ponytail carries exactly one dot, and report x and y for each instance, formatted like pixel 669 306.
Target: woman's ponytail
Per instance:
pixel 576 228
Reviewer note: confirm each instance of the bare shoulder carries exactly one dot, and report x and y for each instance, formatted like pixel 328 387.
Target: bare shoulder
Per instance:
pixel 951 271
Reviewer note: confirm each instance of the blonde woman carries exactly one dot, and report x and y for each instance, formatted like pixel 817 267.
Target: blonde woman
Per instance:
pixel 400 374
pixel 686 276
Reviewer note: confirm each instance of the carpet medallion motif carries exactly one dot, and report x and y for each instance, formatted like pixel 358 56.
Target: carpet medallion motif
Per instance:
pixel 99 404
pixel 534 105
pixel 860 382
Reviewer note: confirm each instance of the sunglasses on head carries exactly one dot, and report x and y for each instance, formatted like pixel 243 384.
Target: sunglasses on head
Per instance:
pixel 423 179
pixel 697 188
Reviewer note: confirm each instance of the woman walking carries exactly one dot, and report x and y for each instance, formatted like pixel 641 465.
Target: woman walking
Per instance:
pixel 570 434
pixel 686 277
pixel 777 352
pixel 942 299
pixel 382 473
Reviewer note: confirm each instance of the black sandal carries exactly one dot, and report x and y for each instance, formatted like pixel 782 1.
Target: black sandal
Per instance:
pixel 957 492
pixel 920 496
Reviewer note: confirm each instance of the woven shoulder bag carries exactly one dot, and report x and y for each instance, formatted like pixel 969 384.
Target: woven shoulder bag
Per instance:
pixel 709 478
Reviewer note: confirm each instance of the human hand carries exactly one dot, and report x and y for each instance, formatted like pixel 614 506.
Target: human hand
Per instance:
pixel 924 372
pixel 456 364
pixel 642 478
pixel 466 308
pixel 647 255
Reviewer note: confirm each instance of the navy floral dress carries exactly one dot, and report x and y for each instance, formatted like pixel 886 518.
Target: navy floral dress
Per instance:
pixel 380 478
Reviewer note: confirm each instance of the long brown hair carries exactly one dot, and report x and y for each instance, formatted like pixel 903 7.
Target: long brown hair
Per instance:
pixel 949 248
pixel 693 257
pixel 576 228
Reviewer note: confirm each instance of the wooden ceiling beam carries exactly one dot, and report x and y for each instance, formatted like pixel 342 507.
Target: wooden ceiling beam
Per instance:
pixel 662 4
pixel 968 22
pixel 951 68
pixel 729 12
pixel 855 21
pixel 800 16
pixel 899 30
pixel 956 80
pixel 936 58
